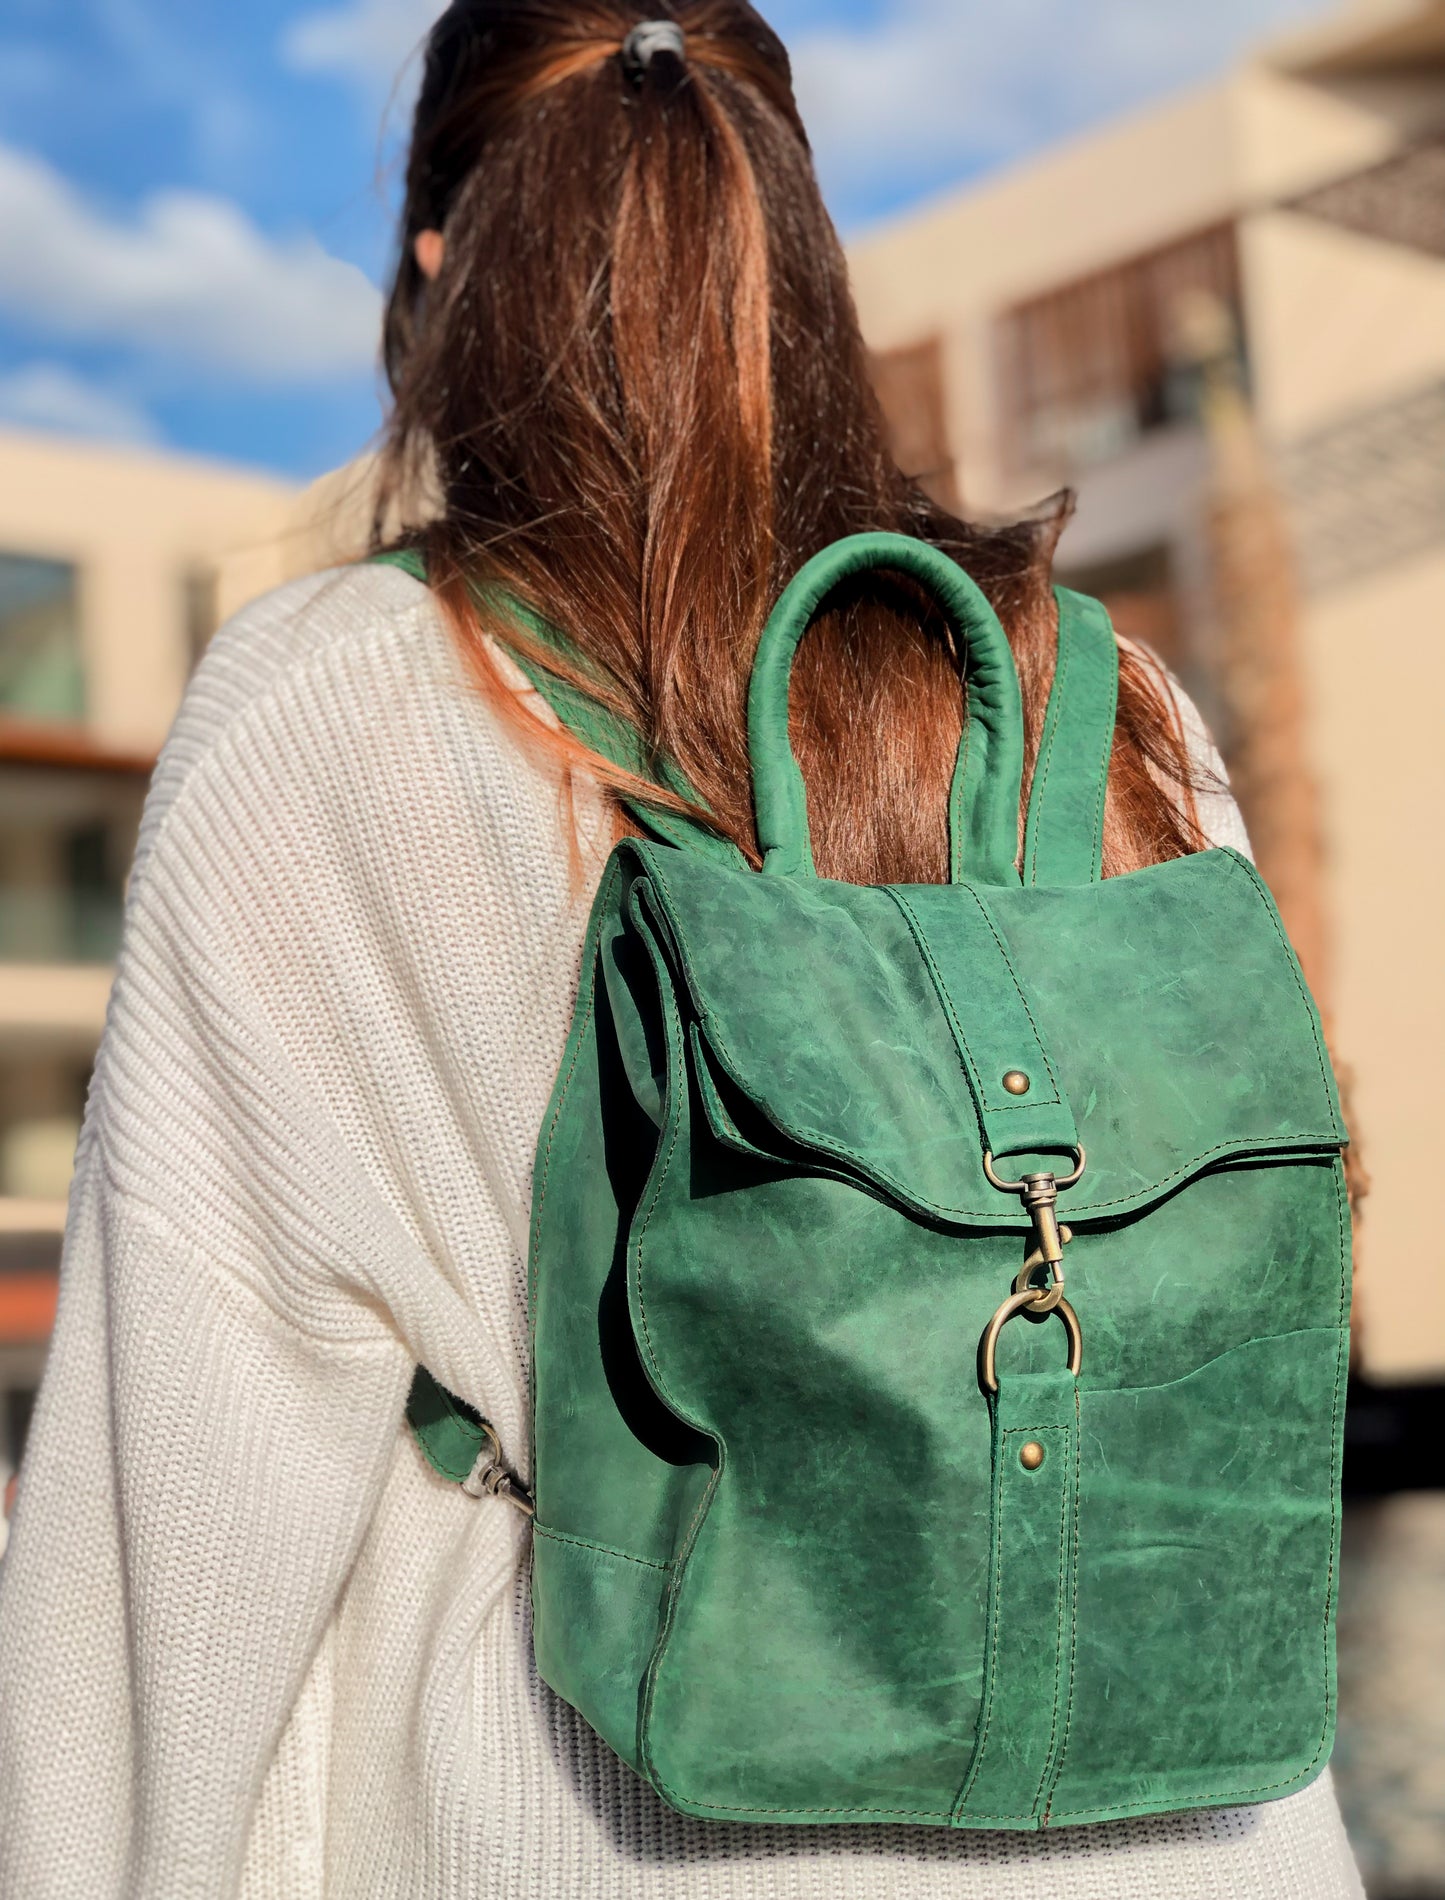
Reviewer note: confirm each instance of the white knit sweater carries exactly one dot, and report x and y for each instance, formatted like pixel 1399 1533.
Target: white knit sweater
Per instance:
pixel 249 1643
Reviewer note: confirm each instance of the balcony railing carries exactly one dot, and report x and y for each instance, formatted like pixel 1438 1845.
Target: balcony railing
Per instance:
pixel 1088 368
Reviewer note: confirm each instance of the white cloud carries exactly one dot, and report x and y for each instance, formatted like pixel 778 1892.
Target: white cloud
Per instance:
pixel 368 41
pixel 188 276
pixel 52 397
pixel 939 83
pixel 921 89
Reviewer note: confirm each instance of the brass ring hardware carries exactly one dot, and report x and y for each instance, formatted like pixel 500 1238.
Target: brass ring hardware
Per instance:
pixel 1021 1187
pixel 1019 1303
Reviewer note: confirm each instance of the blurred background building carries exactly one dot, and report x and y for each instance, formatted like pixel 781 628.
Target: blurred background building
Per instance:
pixel 1222 322
pixel 110 565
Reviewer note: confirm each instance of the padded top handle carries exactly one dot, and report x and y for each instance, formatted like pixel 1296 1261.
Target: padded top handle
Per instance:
pixel 984 806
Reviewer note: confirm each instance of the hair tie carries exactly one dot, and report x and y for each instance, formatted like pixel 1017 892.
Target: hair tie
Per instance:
pixel 646 40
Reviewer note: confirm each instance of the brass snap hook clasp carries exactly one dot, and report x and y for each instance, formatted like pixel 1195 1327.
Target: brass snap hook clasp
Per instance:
pixel 490 1478
pixel 1047 1296
pixel 1021 1303
pixel 1040 1196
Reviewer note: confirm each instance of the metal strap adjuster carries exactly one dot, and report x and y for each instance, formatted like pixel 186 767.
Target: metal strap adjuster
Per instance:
pixel 490 1478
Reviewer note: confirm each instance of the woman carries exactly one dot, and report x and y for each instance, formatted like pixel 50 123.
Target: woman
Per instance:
pixel 249 1642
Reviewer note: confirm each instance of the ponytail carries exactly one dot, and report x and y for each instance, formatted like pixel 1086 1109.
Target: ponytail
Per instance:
pixel 639 395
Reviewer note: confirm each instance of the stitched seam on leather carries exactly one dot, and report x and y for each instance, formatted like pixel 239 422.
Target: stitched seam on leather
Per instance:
pixel 994 1565
pixel 1058 1639
pixel 1096 836
pixel 1228 1352
pixel 606 1550
pixel 435 1462
pixel 677 1080
pixel 956 806
pixel 718 1807
pixel 1249 872
pixel 1058 1774
pixel 1065 651
pixel 475 1435
pixel 1096 843
pixel 1002 1107
pixel 669 1617
pixel 916 929
pixel 956 1813
pixel 473 1432
pixel 1214 1796
pixel 654 1197
pixel 1244 1144
pixel 713 1102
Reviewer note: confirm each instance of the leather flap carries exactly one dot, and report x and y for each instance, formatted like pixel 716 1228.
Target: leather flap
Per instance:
pixel 856 1029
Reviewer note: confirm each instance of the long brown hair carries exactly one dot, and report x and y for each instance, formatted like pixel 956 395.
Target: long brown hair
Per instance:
pixel 639 394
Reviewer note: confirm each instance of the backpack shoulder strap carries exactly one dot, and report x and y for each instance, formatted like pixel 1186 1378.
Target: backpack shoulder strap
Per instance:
pixel 1064 831
pixel 598 728
pixel 456 1441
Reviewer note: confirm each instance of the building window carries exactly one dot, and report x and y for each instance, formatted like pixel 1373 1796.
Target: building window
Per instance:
pixel 42 1100
pixel 1089 368
pixel 66 842
pixel 912 389
pixel 41 676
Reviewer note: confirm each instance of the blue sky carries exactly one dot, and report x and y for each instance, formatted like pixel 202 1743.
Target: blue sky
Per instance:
pixel 195 198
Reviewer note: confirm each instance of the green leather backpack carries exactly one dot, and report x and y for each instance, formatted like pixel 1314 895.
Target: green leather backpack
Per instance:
pixel 866 1489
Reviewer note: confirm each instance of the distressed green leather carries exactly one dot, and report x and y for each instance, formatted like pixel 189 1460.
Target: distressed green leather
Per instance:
pixel 789 1560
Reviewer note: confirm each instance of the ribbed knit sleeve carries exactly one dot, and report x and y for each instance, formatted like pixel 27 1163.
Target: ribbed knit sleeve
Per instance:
pixel 264 1239
pixel 204 1469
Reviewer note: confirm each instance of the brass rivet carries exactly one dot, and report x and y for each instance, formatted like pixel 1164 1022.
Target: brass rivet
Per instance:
pixel 1016 1082
pixel 1032 1455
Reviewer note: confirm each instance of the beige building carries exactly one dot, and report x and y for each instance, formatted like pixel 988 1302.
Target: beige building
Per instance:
pixel 109 574
pixel 1034 331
